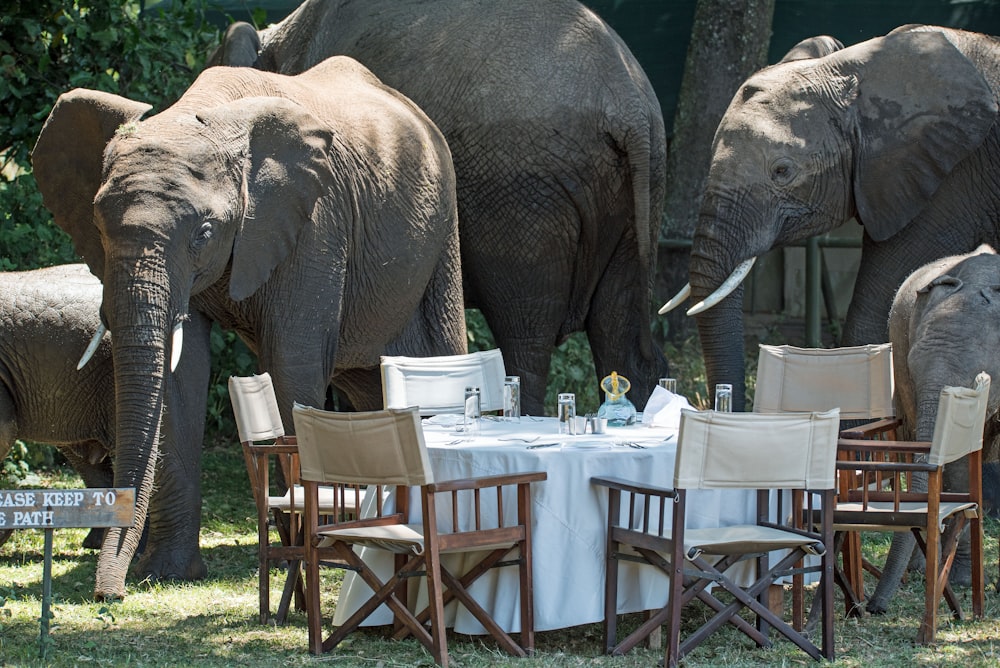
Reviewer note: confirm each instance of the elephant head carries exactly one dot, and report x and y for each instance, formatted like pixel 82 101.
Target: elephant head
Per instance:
pixel 875 132
pixel 156 237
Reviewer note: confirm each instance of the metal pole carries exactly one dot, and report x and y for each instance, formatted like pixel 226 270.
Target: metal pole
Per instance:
pixel 43 642
pixel 813 293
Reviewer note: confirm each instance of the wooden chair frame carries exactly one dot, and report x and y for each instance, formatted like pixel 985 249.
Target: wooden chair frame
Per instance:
pixel 645 537
pixel 418 550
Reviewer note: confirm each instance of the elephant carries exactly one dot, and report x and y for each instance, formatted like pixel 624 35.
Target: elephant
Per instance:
pixel 560 158
pixel 944 326
pixel 47 318
pixel 898 132
pixel 314 215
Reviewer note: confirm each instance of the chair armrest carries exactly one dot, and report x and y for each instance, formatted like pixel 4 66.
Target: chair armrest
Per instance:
pixel 866 445
pixel 267 449
pixel 870 429
pixel 633 487
pixel 848 465
pixel 487 481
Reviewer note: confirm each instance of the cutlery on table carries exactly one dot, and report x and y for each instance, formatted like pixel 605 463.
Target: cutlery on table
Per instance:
pixel 531 439
pixel 541 445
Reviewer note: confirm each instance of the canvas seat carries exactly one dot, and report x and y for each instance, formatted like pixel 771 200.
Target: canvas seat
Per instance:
pixel 648 524
pixel 489 516
pixel 268 450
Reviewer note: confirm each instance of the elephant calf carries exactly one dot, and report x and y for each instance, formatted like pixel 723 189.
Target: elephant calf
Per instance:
pixel 945 328
pixel 47 317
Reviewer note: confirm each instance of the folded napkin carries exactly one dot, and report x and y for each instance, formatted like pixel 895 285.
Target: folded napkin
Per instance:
pixel 445 419
pixel 664 408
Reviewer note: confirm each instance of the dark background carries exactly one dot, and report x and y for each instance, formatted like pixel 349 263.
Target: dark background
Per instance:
pixel 658 31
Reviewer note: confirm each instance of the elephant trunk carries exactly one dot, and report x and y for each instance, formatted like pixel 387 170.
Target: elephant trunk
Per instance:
pixel 720 327
pixel 139 325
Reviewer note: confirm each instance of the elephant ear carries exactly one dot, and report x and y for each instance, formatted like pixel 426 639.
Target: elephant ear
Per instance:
pixel 813 47
pixel 287 171
pixel 922 107
pixel 68 157
pixel 239 47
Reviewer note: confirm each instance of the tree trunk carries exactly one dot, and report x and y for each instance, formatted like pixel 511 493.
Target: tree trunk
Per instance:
pixel 729 42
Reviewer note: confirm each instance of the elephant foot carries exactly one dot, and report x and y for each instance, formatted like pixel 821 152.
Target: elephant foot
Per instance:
pixel 876 607
pixel 94 539
pixel 164 564
pixel 960 574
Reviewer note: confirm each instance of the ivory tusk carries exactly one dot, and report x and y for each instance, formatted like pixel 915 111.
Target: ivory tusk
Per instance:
pixel 176 344
pixel 676 300
pixel 723 290
pixel 92 346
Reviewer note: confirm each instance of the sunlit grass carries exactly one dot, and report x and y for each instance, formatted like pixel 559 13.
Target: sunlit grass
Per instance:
pixel 214 622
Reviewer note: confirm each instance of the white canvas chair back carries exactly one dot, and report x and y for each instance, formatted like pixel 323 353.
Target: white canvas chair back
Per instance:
pixel 857 379
pixel 960 419
pixel 255 408
pixel 437 384
pixel 379 447
pixel 756 451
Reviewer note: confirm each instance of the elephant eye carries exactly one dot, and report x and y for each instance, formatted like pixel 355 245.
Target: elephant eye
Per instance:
pixel 202 235
pixel 782 172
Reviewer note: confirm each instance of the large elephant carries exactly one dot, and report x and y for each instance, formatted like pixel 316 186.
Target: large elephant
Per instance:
pixel 314 215
pixel 899 132
pixel 944 326
pixel 47 318
pixel 560 159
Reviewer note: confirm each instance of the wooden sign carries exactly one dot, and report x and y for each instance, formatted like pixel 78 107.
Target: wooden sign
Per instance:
pixel 65 508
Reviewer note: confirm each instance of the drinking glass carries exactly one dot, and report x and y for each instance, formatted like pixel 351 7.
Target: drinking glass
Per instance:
pixel 512 398
pixel 724 397
pixel 567 412
pixel 669 384
pixel 473 410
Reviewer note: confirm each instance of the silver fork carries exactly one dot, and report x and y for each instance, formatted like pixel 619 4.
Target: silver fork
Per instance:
pixel 517 438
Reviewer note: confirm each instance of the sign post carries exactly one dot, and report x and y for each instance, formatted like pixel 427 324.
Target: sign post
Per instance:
pixel 51 509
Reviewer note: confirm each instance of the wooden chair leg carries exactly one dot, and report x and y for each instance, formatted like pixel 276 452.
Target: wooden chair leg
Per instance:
pixel 854 564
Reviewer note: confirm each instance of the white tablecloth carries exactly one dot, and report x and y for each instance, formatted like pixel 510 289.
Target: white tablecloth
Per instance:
pixel 569 517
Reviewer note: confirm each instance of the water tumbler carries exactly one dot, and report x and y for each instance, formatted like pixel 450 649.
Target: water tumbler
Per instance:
pixel 512 398
pixel 567 412
pixel 724 397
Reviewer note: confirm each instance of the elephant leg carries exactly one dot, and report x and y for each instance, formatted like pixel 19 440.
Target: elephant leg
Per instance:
pixel 619 331
pixel 174 519
pixel 8 432
pixel 91 462
pixel 356 386
pixel 900 554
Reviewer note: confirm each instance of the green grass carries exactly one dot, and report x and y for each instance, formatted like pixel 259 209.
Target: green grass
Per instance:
pixel 213 622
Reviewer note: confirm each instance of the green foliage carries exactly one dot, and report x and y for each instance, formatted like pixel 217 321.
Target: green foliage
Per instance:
pixel 48 47
pixel 230 357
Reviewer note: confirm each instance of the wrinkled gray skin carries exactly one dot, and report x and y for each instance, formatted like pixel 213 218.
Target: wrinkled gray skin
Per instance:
pixel 314 215
pixel 898 132
pixel 945 328
pixel 47 319
pixel 560 156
